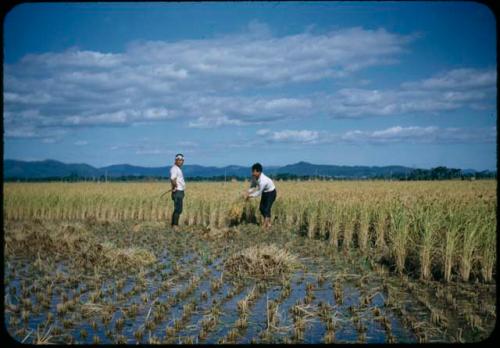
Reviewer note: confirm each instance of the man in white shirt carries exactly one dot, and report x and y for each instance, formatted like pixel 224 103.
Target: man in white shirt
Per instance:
pixel 265 188
pixel 178 187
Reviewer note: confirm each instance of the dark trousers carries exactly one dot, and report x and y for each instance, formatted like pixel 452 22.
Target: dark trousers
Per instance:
pixel 177 197
pixel 266 202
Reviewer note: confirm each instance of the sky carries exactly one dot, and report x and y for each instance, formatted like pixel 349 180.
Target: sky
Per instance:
pixel 346 83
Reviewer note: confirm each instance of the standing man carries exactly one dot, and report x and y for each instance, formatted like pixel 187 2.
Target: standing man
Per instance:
pixel 178 186
pixel 266 188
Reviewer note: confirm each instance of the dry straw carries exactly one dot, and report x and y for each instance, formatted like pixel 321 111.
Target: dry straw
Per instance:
pixel 261 261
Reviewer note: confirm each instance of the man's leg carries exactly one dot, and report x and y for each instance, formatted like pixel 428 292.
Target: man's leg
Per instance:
pixel 270 202
pixel 178 202
pixel 175 218
pixel 175 213
pixel 262 208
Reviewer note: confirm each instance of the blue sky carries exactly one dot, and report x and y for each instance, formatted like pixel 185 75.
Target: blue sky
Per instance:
pixel 234 83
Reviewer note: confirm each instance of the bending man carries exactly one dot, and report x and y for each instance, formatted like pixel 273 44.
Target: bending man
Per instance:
pixel 178 186
pixel 266 188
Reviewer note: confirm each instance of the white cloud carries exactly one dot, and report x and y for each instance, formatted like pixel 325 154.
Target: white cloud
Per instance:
pixel 81 142
pixel 291 136
pixel 452 90
pixel 233 80
pixel 214 122
pixel 391 135
pixel 73 57
pixel 415 134
pixel 463 78
pixel 206 80
pixel 263 131
pixel 31 132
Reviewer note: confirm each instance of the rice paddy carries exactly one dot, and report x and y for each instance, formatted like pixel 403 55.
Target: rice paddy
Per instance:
pixel 367 262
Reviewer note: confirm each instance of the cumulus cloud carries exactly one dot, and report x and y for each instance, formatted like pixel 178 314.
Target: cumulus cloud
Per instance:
pixel 457 79
pixel 30 131
pixel 231 80
pixel 391 135
pixel 206 80
pixel 240 111
pixel 452 90
pixel 415 134
pixel 296 136
pixel 263 131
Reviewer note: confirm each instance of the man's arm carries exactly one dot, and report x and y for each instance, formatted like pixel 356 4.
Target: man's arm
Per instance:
pixel 256 192
pixel 173 180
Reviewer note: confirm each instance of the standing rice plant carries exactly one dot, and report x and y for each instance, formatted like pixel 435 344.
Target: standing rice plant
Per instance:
pixel 322 220
pixel 426 225
pixel 488 244
pixel 364 226
pixel 312 219
pixel 213 214
pixel 221 215
pixel 301 217
pixel 452 230
pixel 334 224
pixel 380 226
pixel 349 219
pixel 289 215
pixel 470 243
pixel 398 235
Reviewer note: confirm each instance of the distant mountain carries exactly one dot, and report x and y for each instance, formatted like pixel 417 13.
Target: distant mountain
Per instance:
pixel 189 170
pixel 118 170
pixel 55 169
pixel 305 168
pixel 46 169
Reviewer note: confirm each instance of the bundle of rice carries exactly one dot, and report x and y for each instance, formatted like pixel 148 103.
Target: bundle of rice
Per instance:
pixel 127 257
pixel 235 213
pixel 242 211
pixel 261 261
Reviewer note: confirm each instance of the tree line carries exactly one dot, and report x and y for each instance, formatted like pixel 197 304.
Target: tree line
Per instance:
pixel 437 173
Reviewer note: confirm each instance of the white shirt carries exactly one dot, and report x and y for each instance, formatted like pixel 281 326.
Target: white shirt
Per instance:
pixel 264 184
pixel 176 172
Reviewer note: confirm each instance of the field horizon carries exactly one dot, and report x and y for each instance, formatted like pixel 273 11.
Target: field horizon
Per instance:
pixel 55 169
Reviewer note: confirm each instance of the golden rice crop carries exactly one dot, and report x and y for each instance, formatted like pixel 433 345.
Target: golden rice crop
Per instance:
pixel 446 228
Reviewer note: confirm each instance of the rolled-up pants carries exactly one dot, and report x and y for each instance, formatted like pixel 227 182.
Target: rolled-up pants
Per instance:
pixel 266 202
pixel 177 197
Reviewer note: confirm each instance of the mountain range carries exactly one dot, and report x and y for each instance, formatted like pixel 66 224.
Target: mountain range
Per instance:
pixel 55 169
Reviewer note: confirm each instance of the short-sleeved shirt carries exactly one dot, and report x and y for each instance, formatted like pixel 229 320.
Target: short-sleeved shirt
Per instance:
pixel 176 172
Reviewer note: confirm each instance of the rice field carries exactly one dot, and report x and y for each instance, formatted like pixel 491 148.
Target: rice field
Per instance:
pixel 365 261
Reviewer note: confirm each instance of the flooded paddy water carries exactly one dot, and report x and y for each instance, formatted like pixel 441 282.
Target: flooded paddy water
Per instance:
pixel 90 282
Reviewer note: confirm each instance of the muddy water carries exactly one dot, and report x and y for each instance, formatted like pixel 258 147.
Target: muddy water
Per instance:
pixel 373 308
